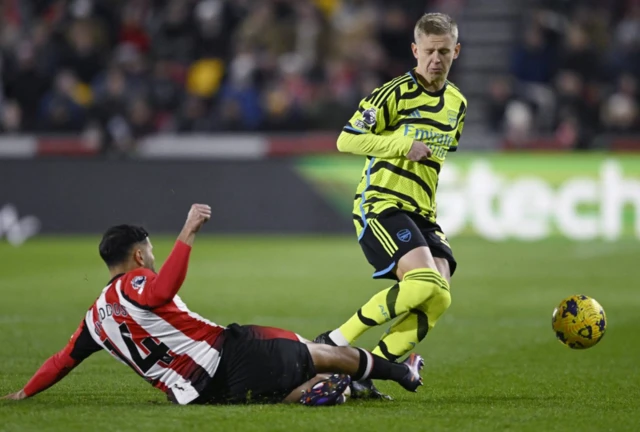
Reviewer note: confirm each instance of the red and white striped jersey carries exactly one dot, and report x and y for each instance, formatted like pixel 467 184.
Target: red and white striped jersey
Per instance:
pixel 176 350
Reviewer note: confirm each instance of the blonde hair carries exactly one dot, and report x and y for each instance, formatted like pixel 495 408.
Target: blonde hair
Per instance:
pixel 436 24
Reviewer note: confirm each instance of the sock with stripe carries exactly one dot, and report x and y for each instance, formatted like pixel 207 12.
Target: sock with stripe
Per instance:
pixel 338 338
pixel 416 289
pixel 375 367
pixel 412 327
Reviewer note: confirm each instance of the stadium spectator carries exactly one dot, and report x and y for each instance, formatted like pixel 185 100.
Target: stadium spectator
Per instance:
pixel 24 83
pixel 575 73
pixel 61 108
pixel 131 69
pixel 10 117
pixel 136 68
pixel 621 111
pixel 533 60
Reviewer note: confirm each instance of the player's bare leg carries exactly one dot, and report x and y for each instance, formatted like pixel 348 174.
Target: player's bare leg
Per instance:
pixel 322 390
pixel 294 396
pixel 418 258
pixel 444 269
pixel 333 389
pixel 351 362
pixel 422 258
pixel 419 299
pixel 361 365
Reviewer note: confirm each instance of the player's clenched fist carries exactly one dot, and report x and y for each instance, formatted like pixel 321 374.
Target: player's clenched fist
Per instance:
pixel 198 216
pixel 418 152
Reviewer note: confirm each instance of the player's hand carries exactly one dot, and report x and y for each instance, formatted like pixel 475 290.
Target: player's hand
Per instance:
pixel 198 216
pixel 418 152
pixel 15 396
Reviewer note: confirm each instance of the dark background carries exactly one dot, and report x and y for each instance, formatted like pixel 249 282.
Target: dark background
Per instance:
pixel 89 195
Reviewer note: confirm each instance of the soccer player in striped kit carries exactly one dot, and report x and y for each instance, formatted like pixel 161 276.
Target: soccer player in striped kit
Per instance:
pixel 405 128
pixel 141 321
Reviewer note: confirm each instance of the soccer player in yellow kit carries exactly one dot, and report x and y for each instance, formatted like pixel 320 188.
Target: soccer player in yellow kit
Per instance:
pixel 405 128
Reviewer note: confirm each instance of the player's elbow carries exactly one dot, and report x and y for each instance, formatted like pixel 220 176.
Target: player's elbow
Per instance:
pixel 344 143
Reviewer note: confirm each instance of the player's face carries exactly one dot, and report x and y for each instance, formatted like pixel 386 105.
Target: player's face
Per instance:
pixel 144 255
pixel 435 55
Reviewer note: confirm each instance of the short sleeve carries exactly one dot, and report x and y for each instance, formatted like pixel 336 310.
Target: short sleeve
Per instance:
pixel 137 286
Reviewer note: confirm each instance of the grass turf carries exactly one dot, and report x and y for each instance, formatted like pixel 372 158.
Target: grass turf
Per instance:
pixel 493 363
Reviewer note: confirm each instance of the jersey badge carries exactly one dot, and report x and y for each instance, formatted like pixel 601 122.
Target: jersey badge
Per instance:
pixel 453 118
pixel 138 282
pixel 369 117
pixel 404 235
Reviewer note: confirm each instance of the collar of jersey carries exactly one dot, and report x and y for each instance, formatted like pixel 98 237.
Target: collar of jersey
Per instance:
pixel 439 93
pixel 114 278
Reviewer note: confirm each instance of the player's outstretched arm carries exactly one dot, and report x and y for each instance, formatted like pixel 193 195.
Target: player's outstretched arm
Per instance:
pixel 163 288
pixel 383 146
pixel 59 365
pixel 363 133
pixel 368 144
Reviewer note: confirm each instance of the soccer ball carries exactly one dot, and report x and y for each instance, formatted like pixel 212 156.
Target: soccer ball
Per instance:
pixel 579 322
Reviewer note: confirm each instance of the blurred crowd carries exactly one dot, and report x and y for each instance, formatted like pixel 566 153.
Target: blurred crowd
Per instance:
pixel 574 74
pixel 118 70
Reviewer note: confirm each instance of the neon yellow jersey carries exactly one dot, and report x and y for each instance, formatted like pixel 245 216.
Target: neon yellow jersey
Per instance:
pixel 384 128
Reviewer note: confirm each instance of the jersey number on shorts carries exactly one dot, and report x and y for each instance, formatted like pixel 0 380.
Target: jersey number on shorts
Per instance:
pixel 158 352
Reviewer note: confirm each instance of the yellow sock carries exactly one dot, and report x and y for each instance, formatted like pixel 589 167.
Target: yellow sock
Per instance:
pixel 416 288
pixel 413 327
pixel 403 335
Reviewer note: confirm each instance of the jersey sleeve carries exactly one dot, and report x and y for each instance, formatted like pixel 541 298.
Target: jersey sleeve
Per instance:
pixel 374 114
pixel 60 364
pixel 462 116
pixel 362 134
pixel 149 290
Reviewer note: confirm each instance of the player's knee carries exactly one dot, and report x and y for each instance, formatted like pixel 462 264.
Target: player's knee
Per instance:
pixel 440 300
pixel 428 286
pixel 443 297
pixel 437 306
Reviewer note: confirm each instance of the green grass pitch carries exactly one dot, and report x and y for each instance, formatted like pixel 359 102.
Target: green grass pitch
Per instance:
pixel 493 363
